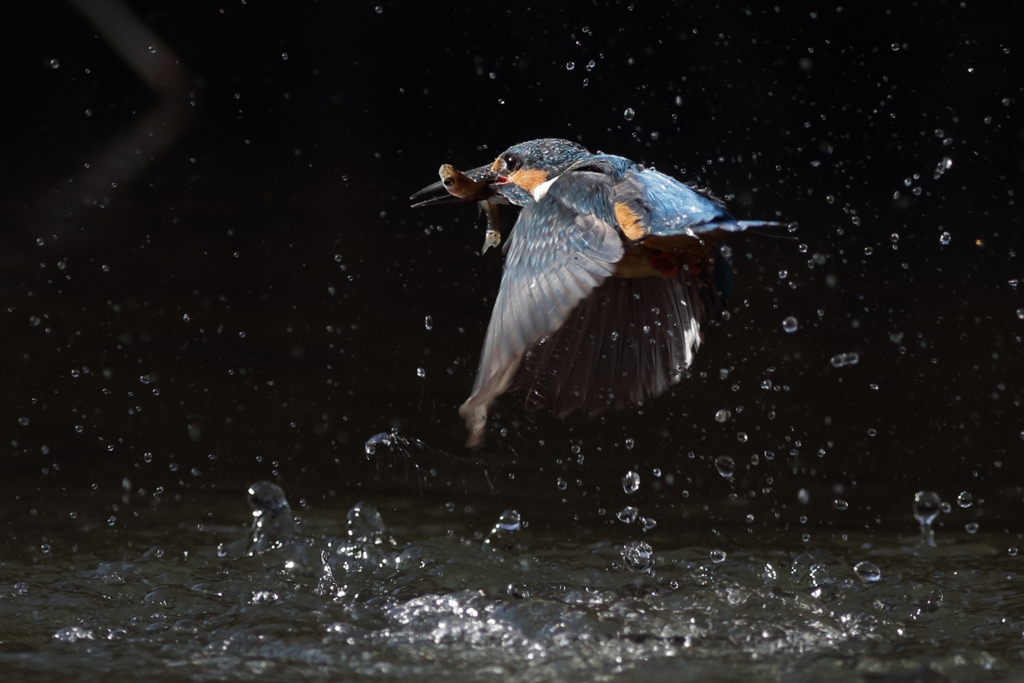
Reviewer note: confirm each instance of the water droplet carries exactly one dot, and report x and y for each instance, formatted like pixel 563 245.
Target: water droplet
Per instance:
pixel 895 47
pixel 510 520
pixel 741 437
pixel 790 324
pixel 627 514
pixel 631 482
pixel 421 373
pixel 382 439
pixel 843 359
pixel 942 167
pixel 803 497
pixel 378 9
pixel 840 504
pixel 971 527
pixel 562 484
pixel 725 466
pixel 23 421
pixel 648 523
pixel 54 63
pixel 428 323
pixel 569 66
pixel 717 556
pixel 723 415
pixel 868 572
pixel 284 56
pixel 1020 314
pixel 629 444
pixel 628 114
pixel 965 499
pixel 945 238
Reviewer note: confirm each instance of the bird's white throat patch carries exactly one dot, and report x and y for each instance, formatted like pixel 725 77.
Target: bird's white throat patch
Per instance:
pixel 542 189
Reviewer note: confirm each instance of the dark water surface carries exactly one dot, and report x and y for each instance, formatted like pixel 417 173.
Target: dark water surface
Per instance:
pixel 213 279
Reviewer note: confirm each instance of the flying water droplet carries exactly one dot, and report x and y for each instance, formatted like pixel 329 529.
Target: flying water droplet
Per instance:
pixel 428 322
pixel 841 360
pixel 722 415
pixel 717 556
pixel 627 514
pixel 943 166
pixel 510 520
pixel 790 325
pixel 631 482
pixel 502 533
pixel 945 238
pixel 725 466
pixel 628 114
pixel 965 499
pixel 569 66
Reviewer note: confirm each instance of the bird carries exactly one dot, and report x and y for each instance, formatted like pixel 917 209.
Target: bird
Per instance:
pixel 612 272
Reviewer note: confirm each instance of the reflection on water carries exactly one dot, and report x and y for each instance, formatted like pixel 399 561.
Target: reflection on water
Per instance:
pixel 417 594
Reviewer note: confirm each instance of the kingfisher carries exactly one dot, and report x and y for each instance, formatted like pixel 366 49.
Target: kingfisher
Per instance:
pixel 612 273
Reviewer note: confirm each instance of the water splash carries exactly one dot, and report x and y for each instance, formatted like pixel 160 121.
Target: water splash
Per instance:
pixel 272 522
pixel 927 505
pixel 638 556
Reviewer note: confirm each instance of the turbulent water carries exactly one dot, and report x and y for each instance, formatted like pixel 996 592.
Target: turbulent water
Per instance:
pixel 162 592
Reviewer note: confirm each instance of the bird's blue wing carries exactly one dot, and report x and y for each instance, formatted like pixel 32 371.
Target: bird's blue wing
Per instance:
pixel 561 248
pixel 669 208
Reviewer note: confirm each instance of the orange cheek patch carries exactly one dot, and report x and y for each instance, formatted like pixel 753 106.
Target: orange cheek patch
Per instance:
pixel 528 179
pixel 631 224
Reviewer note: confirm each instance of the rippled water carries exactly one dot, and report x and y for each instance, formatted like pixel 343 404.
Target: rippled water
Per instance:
pixel 193 587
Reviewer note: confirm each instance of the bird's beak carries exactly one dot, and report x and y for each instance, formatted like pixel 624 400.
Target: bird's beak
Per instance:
pixel 480 179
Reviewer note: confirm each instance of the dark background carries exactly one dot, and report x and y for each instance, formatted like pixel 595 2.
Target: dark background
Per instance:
pixel 250 302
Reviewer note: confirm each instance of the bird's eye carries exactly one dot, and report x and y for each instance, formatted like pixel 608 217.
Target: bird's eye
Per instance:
pixel 512 162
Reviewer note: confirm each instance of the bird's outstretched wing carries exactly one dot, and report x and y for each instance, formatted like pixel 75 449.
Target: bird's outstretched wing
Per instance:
pixel 628 342
pixel 561 249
